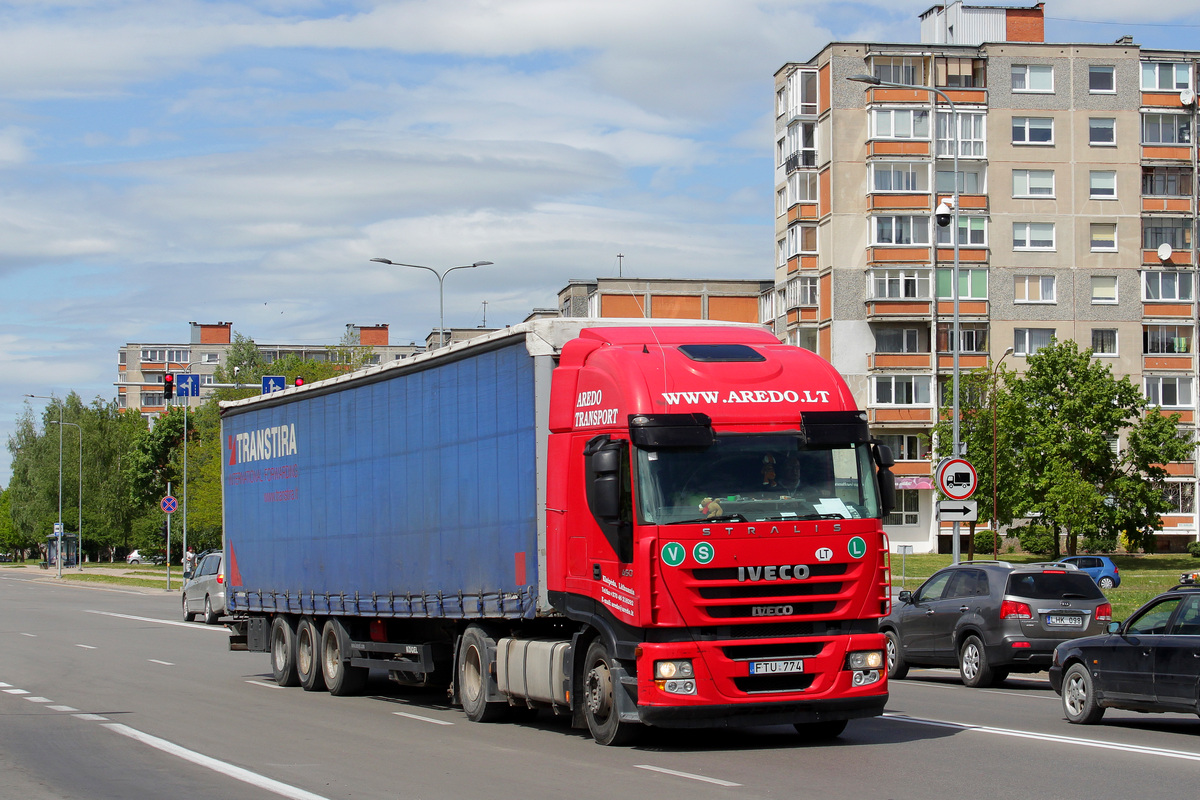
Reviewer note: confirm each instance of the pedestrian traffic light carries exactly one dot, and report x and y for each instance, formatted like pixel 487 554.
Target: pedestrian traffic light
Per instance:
pixel 168 385
pixel 299 381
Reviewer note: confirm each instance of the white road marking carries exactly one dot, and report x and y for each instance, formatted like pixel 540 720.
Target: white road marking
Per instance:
pixel 156 661
pixel 86 646
pixel 717 781
pixel 15 691
pixel 192 625
pixel 61 708
pixel 30 635
pixel 268 685
pixel 422 719
pixel 237 773
pixel 5 685
pixel 39 699
pixel 92 717
pixel 1050 737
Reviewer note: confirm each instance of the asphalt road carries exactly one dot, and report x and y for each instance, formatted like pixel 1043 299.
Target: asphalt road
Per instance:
pixel 106 693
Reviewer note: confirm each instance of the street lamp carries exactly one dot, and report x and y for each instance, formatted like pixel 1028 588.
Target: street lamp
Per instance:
pixel 59 537
pixel 441 276
pixel 995 523
pixel 79 524
pixel 941 211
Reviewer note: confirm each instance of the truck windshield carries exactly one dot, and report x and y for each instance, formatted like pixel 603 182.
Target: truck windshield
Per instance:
pixel 755 479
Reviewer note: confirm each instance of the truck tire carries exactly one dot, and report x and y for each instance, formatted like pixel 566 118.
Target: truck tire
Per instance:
pixel 341 678
pixel 474 666
pixel 308 656
pixel 283 652
pixel 599 699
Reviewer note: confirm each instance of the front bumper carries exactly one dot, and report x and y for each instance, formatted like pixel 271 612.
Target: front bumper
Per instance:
pixel 740 715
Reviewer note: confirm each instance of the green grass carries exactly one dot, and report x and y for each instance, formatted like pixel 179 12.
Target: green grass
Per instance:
pixel 1142 576
pixel 158 582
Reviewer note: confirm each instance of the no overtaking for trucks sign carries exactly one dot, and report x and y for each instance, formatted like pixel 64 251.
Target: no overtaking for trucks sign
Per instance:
pixel 956 478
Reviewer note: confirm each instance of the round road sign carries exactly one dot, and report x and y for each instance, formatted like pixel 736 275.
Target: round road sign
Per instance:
pixel 168 504
pixel 956 478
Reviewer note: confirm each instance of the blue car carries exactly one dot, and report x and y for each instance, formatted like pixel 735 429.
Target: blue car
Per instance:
pixel 1102 569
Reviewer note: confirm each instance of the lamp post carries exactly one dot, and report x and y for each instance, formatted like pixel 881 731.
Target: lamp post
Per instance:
pixel 79 523
pixel 871 80
pixel 58 538
pixel 441 276
pixel 995 524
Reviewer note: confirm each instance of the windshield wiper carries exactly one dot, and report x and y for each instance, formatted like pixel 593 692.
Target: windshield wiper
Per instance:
pixel 718 518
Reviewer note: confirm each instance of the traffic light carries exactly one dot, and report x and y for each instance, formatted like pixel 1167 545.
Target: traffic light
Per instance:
pixel 162 530
pixel 299 381
pixel 168 385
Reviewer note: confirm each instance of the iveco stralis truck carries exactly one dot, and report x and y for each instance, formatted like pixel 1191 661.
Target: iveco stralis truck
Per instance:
pixel 632 523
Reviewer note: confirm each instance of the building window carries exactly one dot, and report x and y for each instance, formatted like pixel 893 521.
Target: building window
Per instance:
pixel 1173 286
pixel 1167 181
pixel 802 145
pixel 972 283
pixel 970 180
pixel 806 337
pixel 1027 341
pixel 781 249
pixel 1033 182
pixel 1033 77
pixel 898 340
pixel 1104 237
pixel 781 101
pixel 154 356
pixel 1180 494
pixel 210 358
pixel 1104 341
pixel 1102 184
pixel 1102 131
pixel 781 203
pixel 900 284
pixel 1175 231
pixel 1166 129
pixel 972 232
pixel 801 292
pixel 974 337
pixel 1101 79
pixel 901 123
pixel 206 380
pixel 1033 289
pixel 1033 236
pixel 151 400
pixel 1170 339
pixel 802 239
pixel 900 176
pixel 971 138
pixel 1033 130
pixel 802 187
pixel 121 357
pixel 1169 392
pixel 901 230
pixel 1163 76
pixel 960 73
pixel 178 356
pixel 902 390
pixel 908 508
pixel 899 69
pixel 905 447
pixel 781 151
pixel 1104 289
pixel 802 92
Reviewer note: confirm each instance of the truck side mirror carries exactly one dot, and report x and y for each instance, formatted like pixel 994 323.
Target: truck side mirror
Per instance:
pixel 606 475
pixel 887 480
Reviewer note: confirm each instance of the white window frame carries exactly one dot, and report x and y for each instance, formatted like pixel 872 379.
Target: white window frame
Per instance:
pixel 1092 128
pixel 966 277
pixel 920 385
pixel 1181 128
pixel 1153 76
pixel 902 280
pixel 1025 74
pixel 972 135
pixel 908 443
pixel 914 173
pixel 1102 192
pixel 1044 286
pixel 153 355
pixel 781 203
pixel 1025 231
pixel 1179 283
pixel 1021 340
pixel 1116 339
pixel 1095 248
pixel 1023 183
pixel 1103 69
pixel 907 512
pixel 918 226
pixel 910 340
pixel 967 227
pixel 803 186
pixel 796 239
pixel 781 251
pixel 1153 387
pixel 1023 123
pixel 1161 334
pixel 889 129
pixel 800 85
pixel 980 173
pixel 911 68
pixel 1101 299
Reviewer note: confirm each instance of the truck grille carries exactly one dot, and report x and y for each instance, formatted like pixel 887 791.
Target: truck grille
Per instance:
pixel 718 593
pixel 761 684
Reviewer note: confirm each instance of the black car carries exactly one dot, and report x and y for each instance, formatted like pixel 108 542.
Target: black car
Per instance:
pixel 1149 662
pixel 990 618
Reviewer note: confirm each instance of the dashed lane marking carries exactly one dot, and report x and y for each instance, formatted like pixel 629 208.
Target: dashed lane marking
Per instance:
pixel 39 699
pixel 61 708
pixel 156 661
pixel 86 646
pixel 688 775
pixel 422 719
pixel 91 717
pixel 268 685
pixel 193 625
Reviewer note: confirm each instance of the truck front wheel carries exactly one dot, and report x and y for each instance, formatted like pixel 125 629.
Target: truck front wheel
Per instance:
pixel 308 659
pixel 283 652
pixel 340 676
pixel 599 699
pixel 474 665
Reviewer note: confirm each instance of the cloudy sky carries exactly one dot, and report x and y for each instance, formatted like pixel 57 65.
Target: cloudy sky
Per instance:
pixel 167 161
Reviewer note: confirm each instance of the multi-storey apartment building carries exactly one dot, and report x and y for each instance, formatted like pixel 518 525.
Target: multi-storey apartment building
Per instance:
pixel 1077 204
pixel 141 366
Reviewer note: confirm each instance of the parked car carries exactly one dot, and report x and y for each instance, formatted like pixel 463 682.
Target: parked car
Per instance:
pixel 136 557
pixel 990 618
pixel 204 592
pixel 1146 663
pixel 1102 569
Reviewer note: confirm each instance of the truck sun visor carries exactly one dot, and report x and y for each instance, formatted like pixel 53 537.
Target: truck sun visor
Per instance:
pixel 834 427
pixel 670 430
pixel 721 352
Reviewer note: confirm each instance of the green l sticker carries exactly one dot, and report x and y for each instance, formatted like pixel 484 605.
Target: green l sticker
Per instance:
pixel 857 547
pixel 673 554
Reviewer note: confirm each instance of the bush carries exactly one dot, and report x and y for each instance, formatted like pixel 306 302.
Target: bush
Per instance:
pixel 1036 539
pixel 1098 544
pixel 1194 549
pixel 983 542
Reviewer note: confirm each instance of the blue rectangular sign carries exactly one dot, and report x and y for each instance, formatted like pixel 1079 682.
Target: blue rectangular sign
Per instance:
pixel 273 383
pixel 187 385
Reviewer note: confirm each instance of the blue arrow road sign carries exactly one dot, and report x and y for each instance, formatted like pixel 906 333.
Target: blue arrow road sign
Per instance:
pixel 187 385
pixel 273 383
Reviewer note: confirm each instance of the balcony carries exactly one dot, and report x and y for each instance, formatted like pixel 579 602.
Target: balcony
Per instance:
pixel 803 159
pixel 899 360
pixel 900 309
pixel 900 415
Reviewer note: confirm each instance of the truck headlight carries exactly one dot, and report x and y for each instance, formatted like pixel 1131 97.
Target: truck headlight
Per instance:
pixel 864 659
pixel 677 668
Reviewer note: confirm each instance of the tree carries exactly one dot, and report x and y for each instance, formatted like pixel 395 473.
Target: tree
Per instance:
pixel 1062 417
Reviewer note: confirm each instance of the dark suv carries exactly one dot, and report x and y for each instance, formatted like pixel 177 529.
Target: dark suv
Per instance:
pixel 990 618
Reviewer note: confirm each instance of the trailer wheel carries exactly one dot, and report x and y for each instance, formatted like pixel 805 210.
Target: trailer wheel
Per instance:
pixel 308 659
pixel 283 652
pixel 599 701
pixel 341 678
pixel 473 667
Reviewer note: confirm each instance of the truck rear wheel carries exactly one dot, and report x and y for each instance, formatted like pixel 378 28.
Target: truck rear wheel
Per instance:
pixel 308 659
pixel 283 652
pixel 599 699
pixel 474 666
pixel 340 676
